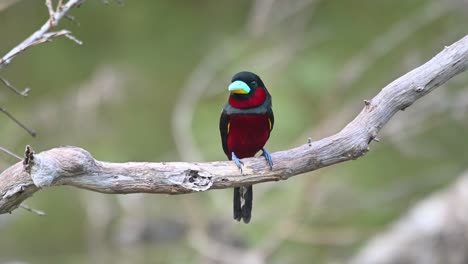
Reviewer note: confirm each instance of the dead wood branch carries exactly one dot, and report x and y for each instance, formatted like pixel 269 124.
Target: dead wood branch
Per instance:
pixel 76 167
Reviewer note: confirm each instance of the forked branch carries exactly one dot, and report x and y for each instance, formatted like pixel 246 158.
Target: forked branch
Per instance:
pixel 43 34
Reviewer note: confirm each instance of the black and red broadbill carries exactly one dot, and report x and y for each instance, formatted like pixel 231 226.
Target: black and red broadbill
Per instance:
pixel 245 125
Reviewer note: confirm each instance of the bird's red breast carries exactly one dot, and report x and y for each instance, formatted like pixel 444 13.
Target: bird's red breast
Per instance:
pixel 248 134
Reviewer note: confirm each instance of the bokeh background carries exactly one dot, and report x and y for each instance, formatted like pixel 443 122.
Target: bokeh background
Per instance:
pixel 149 84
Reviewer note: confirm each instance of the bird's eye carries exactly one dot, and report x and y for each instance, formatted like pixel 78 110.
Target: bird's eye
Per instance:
pixel 253 83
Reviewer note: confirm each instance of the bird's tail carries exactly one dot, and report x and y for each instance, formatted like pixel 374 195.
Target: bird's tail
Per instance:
pixel 243 197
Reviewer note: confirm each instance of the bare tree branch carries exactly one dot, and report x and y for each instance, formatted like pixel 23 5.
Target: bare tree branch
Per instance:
pixel 50 7
pixel 32 210
pixel 9 85
pixel 76 167
pixel 40 36
pixel 29 130
pixel 43 35
pixel 10 153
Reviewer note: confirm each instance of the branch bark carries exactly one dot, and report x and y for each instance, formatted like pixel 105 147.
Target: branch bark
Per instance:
pixel 76 167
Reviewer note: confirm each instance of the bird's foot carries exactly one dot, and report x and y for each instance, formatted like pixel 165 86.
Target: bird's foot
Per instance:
pixel 239 163
pixel 268 157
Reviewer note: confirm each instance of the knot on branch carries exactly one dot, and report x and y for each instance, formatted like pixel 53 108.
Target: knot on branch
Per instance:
pixel 373 135
pixel 357 151
pixel 28 159
pixel 14 191
pixel 53 164
pixel 194 180
pixel 197 182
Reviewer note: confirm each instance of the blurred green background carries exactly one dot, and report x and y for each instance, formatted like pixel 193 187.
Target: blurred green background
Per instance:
pixel 149 84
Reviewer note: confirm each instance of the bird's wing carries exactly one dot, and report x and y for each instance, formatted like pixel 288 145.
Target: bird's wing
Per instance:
pixel 271 118
pixel 224 129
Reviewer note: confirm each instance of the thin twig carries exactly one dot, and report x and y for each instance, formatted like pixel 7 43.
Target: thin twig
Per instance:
pixel 47 37
pixel 73 19
pixel 10 153
pixel 52 22
pixel 59 6
pixel 23 93
pixel 32 210
pixel 119 2
pixel 74 39
pixel 30 131
pixel 40 36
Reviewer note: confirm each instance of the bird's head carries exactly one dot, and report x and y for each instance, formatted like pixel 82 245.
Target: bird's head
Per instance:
pixel 247 90
pixel 244 84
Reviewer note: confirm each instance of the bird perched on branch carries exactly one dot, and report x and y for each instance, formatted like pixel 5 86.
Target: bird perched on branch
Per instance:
pixel 245 125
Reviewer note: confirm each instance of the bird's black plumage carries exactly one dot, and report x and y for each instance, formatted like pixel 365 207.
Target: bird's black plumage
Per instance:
pixel 245 125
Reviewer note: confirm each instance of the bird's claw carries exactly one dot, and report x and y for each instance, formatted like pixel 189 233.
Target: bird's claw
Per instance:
pixel 239 163
pixel 268 157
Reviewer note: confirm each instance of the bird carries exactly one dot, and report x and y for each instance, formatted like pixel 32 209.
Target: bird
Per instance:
pixel 245 125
